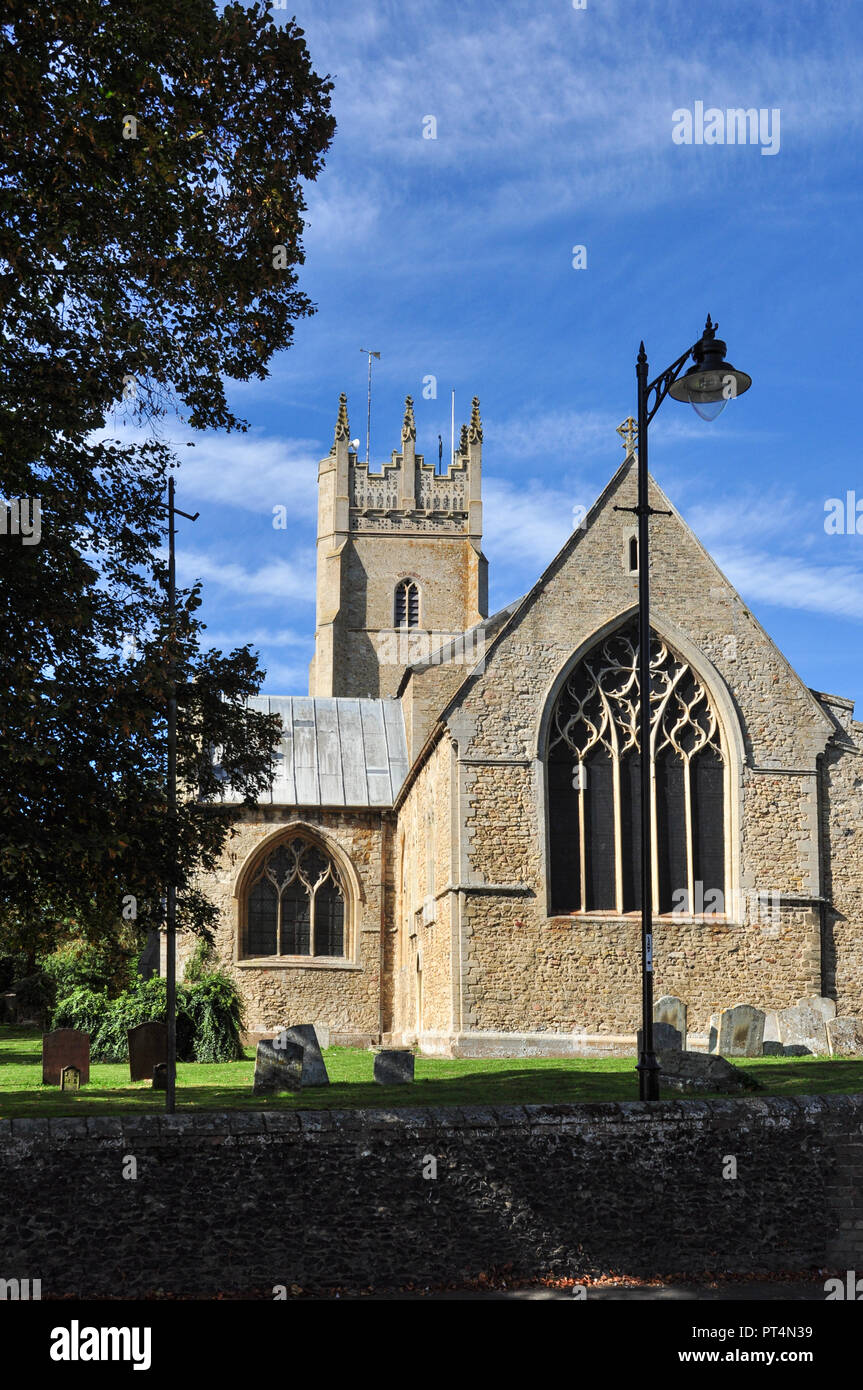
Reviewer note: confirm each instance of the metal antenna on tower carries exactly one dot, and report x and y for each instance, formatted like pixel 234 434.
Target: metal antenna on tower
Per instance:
pixel 452 433
pixel 369 415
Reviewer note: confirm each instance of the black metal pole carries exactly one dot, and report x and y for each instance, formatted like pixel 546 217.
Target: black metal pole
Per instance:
pixel 171 912
pixel 648 1067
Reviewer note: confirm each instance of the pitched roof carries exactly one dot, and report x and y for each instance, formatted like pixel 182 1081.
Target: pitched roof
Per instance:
pixel 335 752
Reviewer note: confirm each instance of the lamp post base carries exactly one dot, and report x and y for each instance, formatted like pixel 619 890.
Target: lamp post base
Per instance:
pixel 648 1076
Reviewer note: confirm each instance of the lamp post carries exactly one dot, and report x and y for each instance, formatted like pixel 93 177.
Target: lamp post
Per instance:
pixel 171 891
pixel 708 385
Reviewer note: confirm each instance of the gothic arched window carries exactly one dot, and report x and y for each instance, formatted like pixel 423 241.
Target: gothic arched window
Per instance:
pixel 295 903
pixel 407 603
pixel 594 772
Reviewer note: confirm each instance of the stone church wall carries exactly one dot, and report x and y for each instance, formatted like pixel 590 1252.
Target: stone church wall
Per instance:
pixel 344 996
pixel 423 914
pixel 842 791
pixel 526 971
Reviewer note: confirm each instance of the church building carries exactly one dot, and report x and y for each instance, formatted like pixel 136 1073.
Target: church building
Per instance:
pixel 449 852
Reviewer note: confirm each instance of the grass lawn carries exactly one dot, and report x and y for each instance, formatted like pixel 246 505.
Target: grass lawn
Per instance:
pixel 439 1081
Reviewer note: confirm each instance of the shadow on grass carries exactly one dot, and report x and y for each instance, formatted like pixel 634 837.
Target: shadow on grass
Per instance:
pixel 439 1082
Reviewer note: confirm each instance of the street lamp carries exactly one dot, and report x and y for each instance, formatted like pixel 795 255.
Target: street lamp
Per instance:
pixel 708 385
pixel 171 891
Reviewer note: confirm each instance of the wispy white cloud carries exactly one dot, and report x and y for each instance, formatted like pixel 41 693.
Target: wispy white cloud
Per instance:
pixel 525 525
pixel 272 582
pixel 256 637
pixel 539 101
pixel 788 582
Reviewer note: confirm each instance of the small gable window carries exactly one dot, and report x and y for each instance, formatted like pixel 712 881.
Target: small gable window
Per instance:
pixel 633 555
pixel 407 604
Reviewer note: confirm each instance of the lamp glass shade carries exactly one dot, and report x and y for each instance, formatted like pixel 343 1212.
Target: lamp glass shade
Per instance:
pixel 709 391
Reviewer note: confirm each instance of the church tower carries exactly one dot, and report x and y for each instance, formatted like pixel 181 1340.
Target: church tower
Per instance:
pixel 400 566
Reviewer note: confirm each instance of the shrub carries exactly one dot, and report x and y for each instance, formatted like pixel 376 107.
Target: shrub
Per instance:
pixel 209 1018
pixel 82 965
pixel 84 1009
pixel 214 1009
pixel 199 963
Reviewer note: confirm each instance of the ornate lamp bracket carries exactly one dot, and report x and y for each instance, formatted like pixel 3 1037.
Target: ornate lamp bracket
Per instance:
pixel 660 386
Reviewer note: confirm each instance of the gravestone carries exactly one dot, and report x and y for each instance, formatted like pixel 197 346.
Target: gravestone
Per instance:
pixel 803 1029
pixel 845 1037
pixel 665 1039
pixel 148 1044
pixel 771 1046
pixel 394 1066
pixel 670 1009
pixel 741 1031
pixel 713 1033
pixel 160 1076
pixel 9 1010
pixel 70 1079
pixel 277 1068
pixel 694 1071
pixel 304 1036
pixel 822 1005
pixel 65 1047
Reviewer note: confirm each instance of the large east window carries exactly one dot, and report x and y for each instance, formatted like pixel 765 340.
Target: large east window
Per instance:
pixel 594 771
pixel 295 904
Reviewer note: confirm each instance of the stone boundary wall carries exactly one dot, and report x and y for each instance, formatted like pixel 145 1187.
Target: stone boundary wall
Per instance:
pixel 242 1202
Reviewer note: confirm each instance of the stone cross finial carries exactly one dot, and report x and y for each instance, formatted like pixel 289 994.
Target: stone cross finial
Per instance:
pixel 628 432
pixel 475 430
pixel 409 428
pixel 342 427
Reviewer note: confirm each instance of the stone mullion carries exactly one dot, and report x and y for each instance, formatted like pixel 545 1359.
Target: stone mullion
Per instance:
pixel 654 847
pixel 690 844
pixel 582 839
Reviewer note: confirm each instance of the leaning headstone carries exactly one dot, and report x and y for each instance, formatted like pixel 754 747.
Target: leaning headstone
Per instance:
pixel 741 1031
pixel 845 1037
pixel 670 1009
pixel 803 1029
pixel 394 1066
pixel 322 1033
pixel 70 1079
pixel 695 1071
pixel 314 1067
pixel 148 1044
pixel 772 1047
pixel 821 1004
pixel 277 1068
pixel 713 1033
pixel 665 1039
pixel 65 1047
pixel 160 1076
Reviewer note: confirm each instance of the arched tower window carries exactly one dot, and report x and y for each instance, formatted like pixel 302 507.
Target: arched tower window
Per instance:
pixel 295 903
pixel 407 603
pixel 594 771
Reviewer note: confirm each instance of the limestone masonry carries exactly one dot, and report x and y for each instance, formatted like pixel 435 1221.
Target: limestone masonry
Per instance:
pixel 447 857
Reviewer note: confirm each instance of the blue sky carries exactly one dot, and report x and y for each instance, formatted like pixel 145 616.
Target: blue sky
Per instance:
pixel 453 257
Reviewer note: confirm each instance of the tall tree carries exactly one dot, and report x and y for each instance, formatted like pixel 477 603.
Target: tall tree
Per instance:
pixel 152 158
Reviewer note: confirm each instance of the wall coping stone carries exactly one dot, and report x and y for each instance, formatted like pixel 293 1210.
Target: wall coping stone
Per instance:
pixel 766 1111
